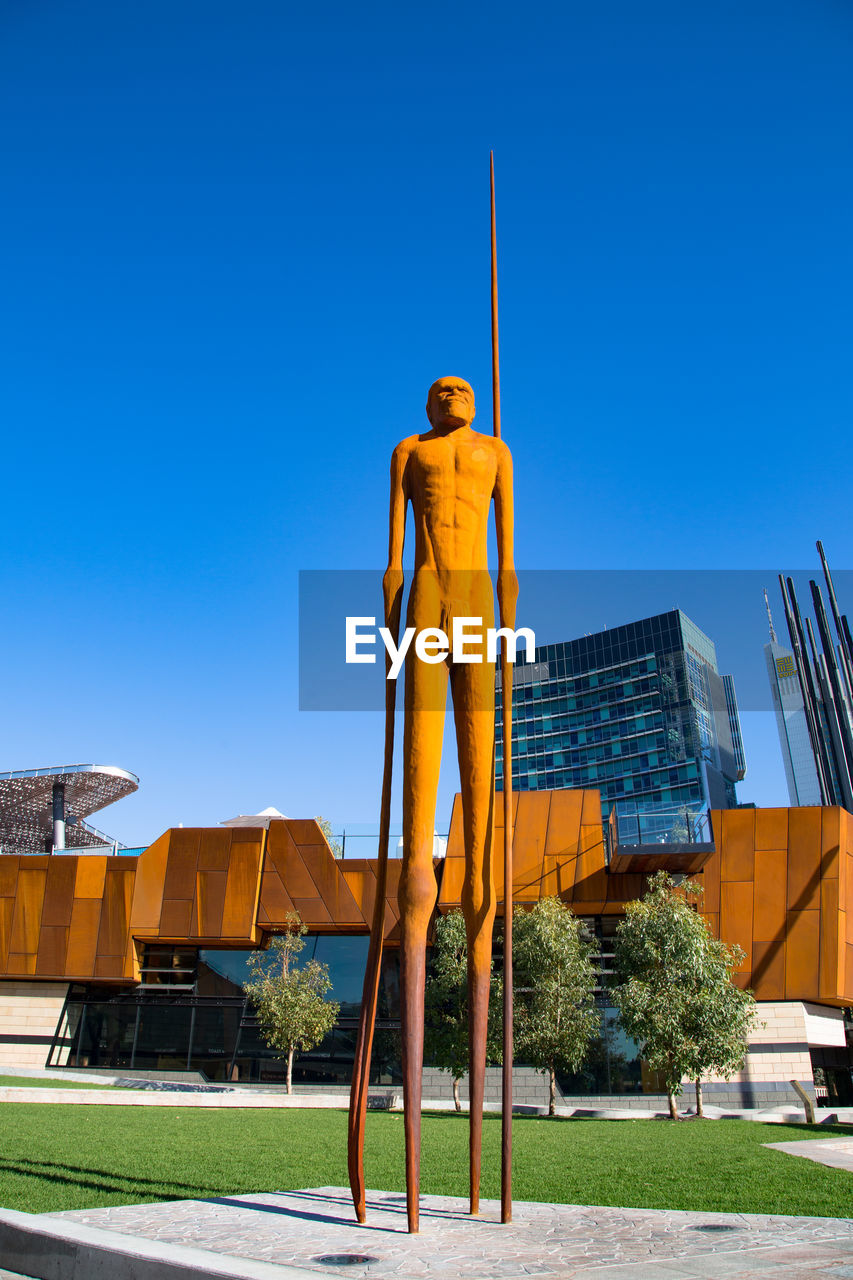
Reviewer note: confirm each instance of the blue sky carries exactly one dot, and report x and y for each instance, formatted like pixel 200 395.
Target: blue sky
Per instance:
pixel 240 241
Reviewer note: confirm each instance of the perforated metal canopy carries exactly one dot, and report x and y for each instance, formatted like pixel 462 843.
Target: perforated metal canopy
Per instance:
pixel 26 804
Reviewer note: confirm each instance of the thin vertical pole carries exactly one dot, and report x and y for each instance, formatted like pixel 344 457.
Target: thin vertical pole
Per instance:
pixel 506 690
pixel 58 816
pixel 80 1033
pixel 801 659
pixel 191 1038
pixel 135 1037
pixel 836 614
pixel 496 370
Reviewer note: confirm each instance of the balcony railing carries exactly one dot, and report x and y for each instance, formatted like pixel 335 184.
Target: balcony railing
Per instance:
pixel 361 844
pixel 676 840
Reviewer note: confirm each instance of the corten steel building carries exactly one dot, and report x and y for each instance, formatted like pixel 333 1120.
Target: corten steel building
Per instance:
pixel 136 962
pixel 639 712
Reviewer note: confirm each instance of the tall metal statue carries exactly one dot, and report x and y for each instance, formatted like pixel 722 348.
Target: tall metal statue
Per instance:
pixel 449 475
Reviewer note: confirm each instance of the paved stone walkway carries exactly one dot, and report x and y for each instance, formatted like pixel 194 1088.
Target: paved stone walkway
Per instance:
pixel 315 1230
pixel 835 1152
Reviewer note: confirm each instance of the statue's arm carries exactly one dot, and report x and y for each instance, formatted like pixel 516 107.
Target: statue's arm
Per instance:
pixel 392 583
pixel 504 524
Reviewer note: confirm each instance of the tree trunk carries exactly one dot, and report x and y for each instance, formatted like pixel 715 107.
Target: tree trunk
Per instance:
pixel 552 1091
pixel 700 1113
pixel 673 1110
pixel 456 1099
pixel 290 1070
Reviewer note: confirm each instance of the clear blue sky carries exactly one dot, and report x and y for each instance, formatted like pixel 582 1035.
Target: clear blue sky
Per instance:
pixel 239 241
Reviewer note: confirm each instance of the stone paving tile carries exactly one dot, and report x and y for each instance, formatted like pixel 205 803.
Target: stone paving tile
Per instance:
pixel 837 1153
pixel 544 1240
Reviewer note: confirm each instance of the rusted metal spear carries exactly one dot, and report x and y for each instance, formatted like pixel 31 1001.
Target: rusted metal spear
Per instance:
pixel 506 694
pixel 370 994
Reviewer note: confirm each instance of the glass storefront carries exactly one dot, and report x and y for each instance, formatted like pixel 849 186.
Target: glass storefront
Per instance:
pixel 190 1014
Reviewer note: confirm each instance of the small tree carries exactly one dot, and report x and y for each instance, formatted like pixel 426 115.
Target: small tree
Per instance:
pixel 555 1013
pixel 289 999
pixel 446 1003
pixel 335 845
pixel 721 1018
pixel 676 997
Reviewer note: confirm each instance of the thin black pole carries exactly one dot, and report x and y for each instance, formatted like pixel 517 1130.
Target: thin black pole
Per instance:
pixel 845 743
pixel 807 690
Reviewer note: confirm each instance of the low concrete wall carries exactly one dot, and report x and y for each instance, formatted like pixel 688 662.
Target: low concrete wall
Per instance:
pixel 778 1053
pixel 29 1012
pixel 530 1088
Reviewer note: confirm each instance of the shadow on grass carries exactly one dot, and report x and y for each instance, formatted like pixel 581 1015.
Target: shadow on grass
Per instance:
pixel 98 1179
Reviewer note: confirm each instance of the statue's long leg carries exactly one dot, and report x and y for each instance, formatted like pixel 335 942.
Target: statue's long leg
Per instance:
pixel 426 693
pixel 473 694
pixel 367 1020
pixel 479 929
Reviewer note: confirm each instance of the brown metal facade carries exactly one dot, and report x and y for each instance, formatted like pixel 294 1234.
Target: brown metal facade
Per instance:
pixel 780 884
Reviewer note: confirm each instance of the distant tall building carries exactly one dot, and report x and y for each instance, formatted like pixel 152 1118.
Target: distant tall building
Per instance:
pixel 791 723
pixel 639 711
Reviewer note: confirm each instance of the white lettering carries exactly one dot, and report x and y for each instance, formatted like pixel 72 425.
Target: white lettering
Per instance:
pixel 431 645
pixel 510 638
pixel 463 636
pixel 354 639
pixel 396 655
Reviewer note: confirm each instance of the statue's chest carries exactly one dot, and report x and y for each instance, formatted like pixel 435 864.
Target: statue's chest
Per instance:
pixel 465 472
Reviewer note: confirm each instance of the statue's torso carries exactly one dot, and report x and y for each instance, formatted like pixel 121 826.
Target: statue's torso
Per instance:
pixel 450 480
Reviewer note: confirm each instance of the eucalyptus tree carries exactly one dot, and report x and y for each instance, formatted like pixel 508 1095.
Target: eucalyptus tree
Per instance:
pixel 554 991
pixel 676 995
pixel 290 998
pixel 446 1024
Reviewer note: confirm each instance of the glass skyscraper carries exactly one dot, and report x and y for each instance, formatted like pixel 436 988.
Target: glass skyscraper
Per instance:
pixel 797 751
pixel 640 712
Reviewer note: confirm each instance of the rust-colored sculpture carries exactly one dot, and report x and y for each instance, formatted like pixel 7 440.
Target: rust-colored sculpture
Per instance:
pixel 450 475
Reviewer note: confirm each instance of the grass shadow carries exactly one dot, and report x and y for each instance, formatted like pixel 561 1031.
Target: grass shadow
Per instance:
pixel 96 1179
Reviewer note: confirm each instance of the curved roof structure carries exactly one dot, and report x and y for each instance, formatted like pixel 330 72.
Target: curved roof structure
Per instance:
pixel 26 804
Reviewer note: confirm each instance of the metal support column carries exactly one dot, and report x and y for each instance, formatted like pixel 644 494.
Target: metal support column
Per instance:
pixel 58 816
pixel 135 1037
pixel 80 1033
pixel 804 674
pixel 191 1038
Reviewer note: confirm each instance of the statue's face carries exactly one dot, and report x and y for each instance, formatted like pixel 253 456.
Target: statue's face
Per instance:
pixel 450 403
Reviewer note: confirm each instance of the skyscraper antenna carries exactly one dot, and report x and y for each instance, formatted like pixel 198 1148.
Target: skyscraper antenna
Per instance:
pixel 770 617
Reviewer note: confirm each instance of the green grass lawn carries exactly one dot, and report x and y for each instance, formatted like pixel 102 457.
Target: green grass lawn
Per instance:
pixel 68 1157
pixel 39 1082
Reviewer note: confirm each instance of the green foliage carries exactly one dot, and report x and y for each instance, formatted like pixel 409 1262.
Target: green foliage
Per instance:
pixel 446 1001
pixel 289 999
pixel 554 1002
pixel 676 996
pixel 326 827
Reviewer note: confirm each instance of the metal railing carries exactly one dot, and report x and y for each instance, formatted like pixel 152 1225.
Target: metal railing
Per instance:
pixel 664 826
pixel 359 844
pixel 111 849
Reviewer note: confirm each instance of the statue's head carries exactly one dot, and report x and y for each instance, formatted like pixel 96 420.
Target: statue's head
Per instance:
pixel 450 403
